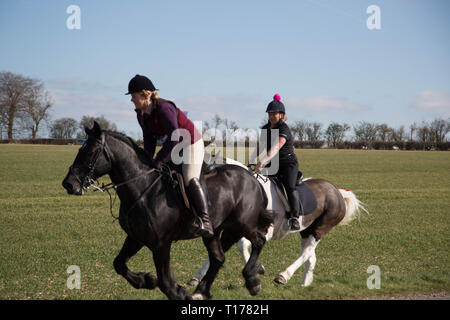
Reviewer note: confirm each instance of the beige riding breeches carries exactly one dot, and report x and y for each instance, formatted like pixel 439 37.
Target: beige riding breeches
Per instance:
pixel 193 167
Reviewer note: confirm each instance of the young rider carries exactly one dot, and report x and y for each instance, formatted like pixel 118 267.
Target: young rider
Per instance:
pixel 284 147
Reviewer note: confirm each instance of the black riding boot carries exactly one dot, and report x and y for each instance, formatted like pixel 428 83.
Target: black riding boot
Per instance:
pixel 294 203
pixel 198 198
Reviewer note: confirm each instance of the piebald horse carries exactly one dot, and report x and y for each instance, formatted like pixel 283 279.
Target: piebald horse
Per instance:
pixel 334 207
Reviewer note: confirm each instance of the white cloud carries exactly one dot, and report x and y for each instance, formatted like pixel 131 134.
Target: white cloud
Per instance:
pixel 435 102
pixel 322 103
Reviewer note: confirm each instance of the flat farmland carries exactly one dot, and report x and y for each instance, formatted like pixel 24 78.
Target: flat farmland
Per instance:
pixel 407 233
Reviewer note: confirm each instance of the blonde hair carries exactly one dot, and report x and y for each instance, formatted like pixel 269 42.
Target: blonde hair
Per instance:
pixel 153 95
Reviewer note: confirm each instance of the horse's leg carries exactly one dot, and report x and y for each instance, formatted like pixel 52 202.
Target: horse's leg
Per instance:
pixel 195 279
pixel 309 269
pixel 166 281
pixel 307 251
pixel 244 247
pixel 137 280
pixel 251 269
pixel 216 261
pixel 227 240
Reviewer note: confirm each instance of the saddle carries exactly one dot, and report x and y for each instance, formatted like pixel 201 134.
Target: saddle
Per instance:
pixel 177 180
pixel 308 201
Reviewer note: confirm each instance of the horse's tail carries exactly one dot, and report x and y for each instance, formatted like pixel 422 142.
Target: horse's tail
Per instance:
pixel 266 218
pixel 353 206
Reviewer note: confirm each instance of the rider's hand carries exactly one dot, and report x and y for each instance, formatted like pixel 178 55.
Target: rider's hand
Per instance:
pixel 258 167
pixel 157 164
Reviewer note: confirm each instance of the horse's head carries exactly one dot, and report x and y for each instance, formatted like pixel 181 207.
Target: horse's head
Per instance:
pixel 91 162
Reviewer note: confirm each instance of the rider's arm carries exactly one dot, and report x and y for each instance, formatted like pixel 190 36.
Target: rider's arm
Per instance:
pixel 168 118
pixel 253 156
pixel 271 153
pixel 148 137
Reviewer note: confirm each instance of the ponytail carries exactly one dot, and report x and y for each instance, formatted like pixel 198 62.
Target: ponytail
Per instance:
pixel 153 95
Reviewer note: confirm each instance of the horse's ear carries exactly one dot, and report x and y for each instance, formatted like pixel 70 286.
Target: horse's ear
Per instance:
pixel 96 130
pixel 88 131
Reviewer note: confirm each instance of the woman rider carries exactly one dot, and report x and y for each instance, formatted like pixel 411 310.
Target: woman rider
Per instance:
pixel 288 164
pixel 158 117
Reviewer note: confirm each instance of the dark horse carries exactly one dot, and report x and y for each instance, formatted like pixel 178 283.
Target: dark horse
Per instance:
pixel 152 214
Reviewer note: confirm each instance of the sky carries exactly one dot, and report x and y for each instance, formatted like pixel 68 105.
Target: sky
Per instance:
pixel 230 57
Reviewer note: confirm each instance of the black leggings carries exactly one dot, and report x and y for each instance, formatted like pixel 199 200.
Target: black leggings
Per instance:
pixel 287 173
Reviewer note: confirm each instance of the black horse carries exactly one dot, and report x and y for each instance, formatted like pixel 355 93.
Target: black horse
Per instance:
pixel 152 214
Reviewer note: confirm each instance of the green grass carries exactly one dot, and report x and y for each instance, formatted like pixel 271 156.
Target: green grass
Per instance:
pixel 43 231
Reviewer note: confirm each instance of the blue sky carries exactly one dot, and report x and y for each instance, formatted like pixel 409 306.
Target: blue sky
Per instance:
pixel 231 57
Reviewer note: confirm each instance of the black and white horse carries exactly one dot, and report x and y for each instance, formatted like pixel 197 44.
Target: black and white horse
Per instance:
pixel 334 207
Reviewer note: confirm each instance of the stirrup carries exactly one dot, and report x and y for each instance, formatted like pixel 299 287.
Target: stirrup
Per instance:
pixel 200 230
pixel 293 224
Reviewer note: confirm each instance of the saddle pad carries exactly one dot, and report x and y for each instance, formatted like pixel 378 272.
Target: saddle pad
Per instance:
pixel 307 198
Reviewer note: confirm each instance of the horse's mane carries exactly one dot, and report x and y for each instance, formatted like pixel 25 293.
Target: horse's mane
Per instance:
pixel 130 142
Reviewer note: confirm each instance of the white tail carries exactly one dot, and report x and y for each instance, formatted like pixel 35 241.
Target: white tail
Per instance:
pixel 353 207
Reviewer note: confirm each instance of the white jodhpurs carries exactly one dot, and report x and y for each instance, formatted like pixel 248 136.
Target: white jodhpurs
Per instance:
pixel 192 167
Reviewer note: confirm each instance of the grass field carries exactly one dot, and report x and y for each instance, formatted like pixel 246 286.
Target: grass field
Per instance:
pixel 407 234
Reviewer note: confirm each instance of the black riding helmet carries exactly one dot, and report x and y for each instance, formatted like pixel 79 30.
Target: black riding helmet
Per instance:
pixel 276 105
pixel 139 83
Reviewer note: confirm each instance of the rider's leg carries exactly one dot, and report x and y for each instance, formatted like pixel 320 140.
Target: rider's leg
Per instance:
pixel 288 175
pixel 294 203
pixel 192 168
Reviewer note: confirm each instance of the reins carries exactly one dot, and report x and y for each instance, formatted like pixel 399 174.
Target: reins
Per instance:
pixel 89 181
pixel 109 186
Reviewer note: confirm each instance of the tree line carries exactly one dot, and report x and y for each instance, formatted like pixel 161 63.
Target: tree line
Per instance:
pixel 363 135
pixel 25 105
pixel 426 135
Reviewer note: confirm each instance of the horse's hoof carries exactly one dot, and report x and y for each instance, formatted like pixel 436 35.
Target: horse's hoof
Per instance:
pixel 255 290
pixel 261 269
pixel 193 282
pixel 151 282
pixel 198 296
pixel 280 279
pixel 253 285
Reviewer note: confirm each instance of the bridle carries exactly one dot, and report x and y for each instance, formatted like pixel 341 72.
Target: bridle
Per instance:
pixel 89 180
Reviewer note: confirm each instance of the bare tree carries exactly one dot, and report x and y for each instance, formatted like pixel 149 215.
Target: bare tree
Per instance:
pixel 438 130
pixel 233 125
pixel 217 121
pixel 206 126
pixel 36 105
pixel 313 131
pixel 13 88
pixel 64 128
pixel 383 132
pixel 397 135
pixel 412 129
pixel 88 121
pixel 365 132
pixel 298 130
pixel 423 133
pixel 335 133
